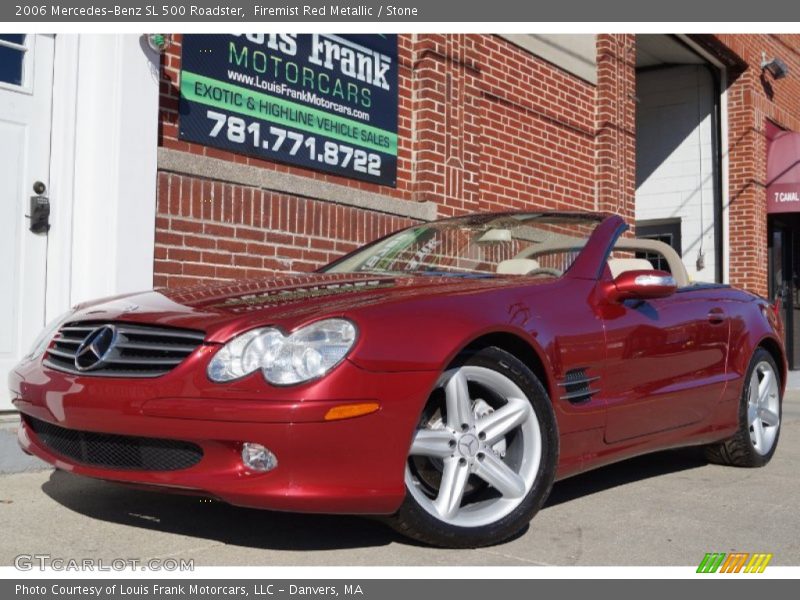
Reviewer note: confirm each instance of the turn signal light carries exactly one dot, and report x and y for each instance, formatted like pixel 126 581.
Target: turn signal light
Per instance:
pixel 348 411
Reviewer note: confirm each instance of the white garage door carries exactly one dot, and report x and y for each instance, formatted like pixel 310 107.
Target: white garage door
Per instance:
pixel 26 87
pixel 675 158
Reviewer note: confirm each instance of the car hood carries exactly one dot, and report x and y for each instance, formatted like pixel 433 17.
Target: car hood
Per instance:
pixel 225 309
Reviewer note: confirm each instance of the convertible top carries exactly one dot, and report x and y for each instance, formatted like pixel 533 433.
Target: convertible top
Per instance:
pixel 674 261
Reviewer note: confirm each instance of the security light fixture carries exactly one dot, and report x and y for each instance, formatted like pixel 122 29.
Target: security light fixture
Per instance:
pixel 776 66
pixel 159 42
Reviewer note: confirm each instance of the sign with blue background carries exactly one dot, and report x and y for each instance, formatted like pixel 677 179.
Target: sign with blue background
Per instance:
pixel 322 101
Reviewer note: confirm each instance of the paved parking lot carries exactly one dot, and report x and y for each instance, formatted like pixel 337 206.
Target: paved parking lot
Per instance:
pixel 665 509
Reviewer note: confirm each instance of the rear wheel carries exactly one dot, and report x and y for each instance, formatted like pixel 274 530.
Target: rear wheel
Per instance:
pixel 483 457
pixel 759 417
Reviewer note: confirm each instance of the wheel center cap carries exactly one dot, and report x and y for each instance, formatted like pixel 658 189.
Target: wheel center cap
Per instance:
pixel 468 445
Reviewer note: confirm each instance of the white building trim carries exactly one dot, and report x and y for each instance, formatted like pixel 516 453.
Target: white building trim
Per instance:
pixel 103 168
pixel 62 175
pixel 725 249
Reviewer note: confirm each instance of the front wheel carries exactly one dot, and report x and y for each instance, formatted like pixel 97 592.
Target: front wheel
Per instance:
pixel 483 457
pixel 759 417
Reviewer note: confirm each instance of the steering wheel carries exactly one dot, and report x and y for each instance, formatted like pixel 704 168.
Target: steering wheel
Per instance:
pixel 544 271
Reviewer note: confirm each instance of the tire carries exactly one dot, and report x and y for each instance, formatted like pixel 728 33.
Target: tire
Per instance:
pixel 479 472
pixel 759 419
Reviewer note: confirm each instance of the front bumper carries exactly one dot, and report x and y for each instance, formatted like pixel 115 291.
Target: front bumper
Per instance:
pixel 347 466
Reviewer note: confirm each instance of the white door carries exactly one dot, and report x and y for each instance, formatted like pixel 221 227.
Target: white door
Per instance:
pixel 26 90
pixel 676 159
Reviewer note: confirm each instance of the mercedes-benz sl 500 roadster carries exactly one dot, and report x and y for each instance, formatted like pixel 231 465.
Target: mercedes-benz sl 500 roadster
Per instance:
pixel 443 376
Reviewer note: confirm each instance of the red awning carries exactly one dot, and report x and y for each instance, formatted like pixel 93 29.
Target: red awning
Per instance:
pixel 783 173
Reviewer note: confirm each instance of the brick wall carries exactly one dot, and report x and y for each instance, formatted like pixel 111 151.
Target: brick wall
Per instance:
pixel 211 231
pixel 483 125
pixel 616 125
pixel 752 99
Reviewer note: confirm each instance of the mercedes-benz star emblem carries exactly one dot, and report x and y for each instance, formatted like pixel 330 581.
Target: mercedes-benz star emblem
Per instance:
pixel 95 348
pixel 468 445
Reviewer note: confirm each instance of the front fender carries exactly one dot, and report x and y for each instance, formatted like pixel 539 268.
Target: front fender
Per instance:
pixel 750 330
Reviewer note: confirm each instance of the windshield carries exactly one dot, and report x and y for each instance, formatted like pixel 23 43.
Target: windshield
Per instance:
pixel 532 244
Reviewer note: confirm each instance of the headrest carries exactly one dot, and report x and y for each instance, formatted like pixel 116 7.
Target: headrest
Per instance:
pixel 620 265
pixel 517 266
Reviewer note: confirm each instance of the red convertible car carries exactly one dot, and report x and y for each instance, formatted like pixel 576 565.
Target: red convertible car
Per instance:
pixel 444 376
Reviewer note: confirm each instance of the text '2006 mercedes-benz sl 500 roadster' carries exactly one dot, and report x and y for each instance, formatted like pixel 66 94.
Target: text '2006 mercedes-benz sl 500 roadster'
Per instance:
pixel 443 376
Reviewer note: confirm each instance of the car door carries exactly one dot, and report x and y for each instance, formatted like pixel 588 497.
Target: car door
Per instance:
pixel 665 362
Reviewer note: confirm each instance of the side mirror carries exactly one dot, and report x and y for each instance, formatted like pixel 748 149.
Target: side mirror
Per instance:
pixel 642 285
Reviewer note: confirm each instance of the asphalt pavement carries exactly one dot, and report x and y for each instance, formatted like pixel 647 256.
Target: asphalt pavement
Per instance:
pixel 668 508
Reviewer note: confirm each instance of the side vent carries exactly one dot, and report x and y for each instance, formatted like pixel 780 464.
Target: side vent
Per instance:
pixel 577 386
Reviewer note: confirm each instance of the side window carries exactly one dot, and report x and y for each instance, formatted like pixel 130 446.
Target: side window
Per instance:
pixel 12 59
pixel 656 259
pixel 661 230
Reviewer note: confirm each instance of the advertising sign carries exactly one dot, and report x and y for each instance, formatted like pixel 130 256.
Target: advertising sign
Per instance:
pixel 783 173
pixel 321 101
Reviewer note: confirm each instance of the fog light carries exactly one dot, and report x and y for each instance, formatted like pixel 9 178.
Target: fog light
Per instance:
pixel 258 458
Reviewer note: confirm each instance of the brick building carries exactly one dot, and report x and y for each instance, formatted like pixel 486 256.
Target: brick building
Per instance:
pixel 690 137
pixel 670 132
pixel 483 125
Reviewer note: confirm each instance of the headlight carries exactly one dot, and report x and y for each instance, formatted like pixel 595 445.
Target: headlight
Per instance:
pixel 306 354
pixel 43 339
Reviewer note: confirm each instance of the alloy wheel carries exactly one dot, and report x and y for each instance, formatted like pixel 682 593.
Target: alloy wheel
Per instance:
pixel 763 407
pixel 477 451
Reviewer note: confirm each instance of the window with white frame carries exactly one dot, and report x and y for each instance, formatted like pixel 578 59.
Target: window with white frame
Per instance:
pixel 13 63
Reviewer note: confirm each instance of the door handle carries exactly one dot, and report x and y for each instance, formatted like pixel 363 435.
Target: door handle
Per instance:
pixel 39 209
pixel 716 316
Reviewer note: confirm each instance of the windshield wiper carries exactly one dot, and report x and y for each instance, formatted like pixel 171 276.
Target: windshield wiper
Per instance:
pixel 452 274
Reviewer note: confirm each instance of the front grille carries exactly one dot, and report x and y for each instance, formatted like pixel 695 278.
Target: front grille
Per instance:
pixel 116 451
pixel 136 350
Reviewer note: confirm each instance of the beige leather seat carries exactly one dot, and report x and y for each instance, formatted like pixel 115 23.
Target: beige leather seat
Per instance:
pixel 620 265
pixel 517 266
